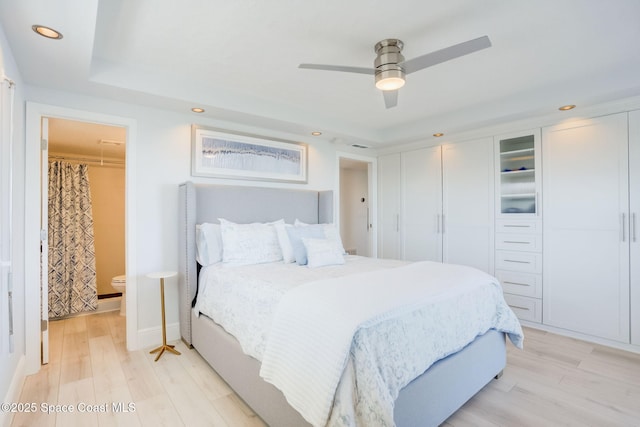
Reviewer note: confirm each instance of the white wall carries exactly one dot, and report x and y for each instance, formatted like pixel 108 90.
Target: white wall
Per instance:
pixel 11 362
pixel 162 161
pixel 107 204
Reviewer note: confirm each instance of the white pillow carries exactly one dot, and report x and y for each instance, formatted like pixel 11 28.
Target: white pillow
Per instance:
pixel 208 243
pixel 285 243
pixel 321 252
pixel 255 243
pixel 330 231
pixel 296 234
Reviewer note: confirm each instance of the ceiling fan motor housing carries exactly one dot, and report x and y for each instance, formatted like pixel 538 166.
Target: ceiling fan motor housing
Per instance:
pixel 388 60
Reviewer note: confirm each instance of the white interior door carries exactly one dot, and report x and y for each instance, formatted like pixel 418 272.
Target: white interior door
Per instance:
pixel 371 191
pixel 6 140
pixel 44 247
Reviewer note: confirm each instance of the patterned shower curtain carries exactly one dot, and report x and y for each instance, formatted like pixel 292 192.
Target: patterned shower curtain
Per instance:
pixel 72 263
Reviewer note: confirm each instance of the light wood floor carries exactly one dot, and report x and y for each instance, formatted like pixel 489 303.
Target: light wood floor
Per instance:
pixel 554 381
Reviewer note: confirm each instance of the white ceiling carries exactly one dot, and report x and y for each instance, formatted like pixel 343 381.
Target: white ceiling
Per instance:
pixel 239 59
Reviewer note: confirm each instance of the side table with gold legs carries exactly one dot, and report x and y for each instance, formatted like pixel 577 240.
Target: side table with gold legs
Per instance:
pixel 163 275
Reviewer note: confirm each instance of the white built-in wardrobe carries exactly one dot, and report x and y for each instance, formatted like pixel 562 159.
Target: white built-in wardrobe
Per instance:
pixel 591 194
pixel 437 203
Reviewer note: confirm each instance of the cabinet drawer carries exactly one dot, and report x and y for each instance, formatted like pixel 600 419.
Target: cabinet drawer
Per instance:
pixel 526 262
pixel 524 284
pixel 519 242
pixel 521 226
pixel 525 308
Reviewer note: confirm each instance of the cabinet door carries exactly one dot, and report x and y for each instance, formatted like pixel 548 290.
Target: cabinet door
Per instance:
pixel 634 181
pixel 389 206
pixel 518 174
pixel 421 204
pixel 585 229
pixel 468 194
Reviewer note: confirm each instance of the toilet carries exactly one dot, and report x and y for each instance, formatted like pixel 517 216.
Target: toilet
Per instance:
pixel 119 283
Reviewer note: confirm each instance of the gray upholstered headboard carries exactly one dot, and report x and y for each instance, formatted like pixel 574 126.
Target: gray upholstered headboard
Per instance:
pixel 206 203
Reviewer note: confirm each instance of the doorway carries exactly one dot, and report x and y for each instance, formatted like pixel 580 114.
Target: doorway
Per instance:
pixel 356 205
pixel 99 151
pixel 37 118
pixel 83 213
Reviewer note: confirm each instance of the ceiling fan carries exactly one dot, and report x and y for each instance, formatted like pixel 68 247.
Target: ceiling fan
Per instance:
pixel 390 67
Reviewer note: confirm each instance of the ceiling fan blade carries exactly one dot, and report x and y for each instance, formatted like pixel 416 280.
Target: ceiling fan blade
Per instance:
pixel 359 70
pixel 390 98
pixel 446 54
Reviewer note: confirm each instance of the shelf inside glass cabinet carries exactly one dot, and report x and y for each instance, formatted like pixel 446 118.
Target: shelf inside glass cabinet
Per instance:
pixel 517 175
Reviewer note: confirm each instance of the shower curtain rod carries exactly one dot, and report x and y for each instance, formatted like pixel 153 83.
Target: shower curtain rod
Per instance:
pixel 88 160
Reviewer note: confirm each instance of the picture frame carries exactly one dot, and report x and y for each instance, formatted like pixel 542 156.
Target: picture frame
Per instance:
pixel 221 153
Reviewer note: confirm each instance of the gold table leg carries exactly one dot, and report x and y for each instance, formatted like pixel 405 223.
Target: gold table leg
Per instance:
pixel 164 345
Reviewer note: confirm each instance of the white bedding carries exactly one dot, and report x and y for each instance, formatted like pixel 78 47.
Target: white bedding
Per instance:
pixel 242 299
pixel 383 359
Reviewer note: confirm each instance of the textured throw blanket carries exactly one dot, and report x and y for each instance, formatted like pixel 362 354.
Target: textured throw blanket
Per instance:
pixel 314 325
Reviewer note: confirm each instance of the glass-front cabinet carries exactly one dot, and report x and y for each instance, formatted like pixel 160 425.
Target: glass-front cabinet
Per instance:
pixel 518 174
pixel 518 241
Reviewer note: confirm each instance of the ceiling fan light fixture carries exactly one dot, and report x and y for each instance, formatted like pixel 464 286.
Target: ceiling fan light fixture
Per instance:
pixel 391 78
pixel 390 67
pixel 389 74
pixel 389 83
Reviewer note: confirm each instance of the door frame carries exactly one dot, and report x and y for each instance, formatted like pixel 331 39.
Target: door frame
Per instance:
pixel 35 112
pixel 372 177
pixel 44 230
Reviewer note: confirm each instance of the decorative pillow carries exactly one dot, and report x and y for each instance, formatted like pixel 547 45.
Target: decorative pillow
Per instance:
pixel 333 234
pixel 208 244
pixel 285 244
pixel 321 252
pixel 296 234
pixel 255 243
pixel 330 231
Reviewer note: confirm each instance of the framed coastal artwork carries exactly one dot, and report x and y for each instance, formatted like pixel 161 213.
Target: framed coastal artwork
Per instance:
pixel 225 154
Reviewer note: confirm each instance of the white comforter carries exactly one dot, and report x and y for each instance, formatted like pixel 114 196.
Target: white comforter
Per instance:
pixel 243 299
pixel 324 334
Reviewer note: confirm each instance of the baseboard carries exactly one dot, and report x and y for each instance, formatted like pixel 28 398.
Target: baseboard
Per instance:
pixel 104 305
pixel 13 394
pixel 583 337
pixel 151 337
pixel 107 296
pixel 108 304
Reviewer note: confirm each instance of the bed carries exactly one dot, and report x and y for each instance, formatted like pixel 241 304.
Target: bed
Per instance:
pixel 427 400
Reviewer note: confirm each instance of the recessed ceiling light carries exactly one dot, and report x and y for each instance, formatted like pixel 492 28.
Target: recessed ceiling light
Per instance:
pixel 47 32
pixel 567 107
pixel 438 135
pixel 197 110
pixel 316 133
